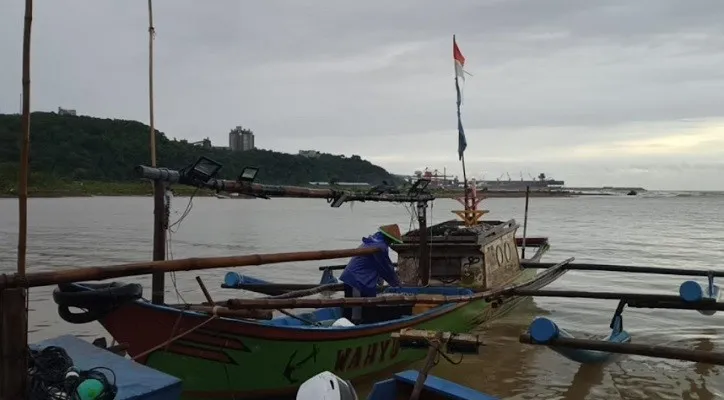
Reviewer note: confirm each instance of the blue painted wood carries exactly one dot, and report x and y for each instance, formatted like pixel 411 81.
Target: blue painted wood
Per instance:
pixel 134 381
pixel 387 390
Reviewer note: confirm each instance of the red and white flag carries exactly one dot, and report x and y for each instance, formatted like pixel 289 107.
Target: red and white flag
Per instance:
pixel 459 60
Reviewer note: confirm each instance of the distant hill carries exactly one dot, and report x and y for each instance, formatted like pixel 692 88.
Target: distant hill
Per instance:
pixel 79 148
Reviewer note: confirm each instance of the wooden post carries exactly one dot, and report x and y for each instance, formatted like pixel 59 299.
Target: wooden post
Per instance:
pixel 13 344
pixel 13 311
pixel 424 264
pixel 160 224
pixel 429 363
pixel 525 221
pixel 25 140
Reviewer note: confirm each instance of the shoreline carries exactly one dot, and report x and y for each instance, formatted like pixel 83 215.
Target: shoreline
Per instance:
pixel 186 192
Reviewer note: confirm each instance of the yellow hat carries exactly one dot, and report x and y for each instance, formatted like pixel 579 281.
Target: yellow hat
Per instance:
pixel 392 232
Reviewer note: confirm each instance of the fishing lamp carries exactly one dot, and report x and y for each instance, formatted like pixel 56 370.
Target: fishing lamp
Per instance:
pixel 419 186
pixel 203 170
pixel 248 174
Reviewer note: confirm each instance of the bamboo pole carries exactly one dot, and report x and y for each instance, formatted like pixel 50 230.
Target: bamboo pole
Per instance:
pixel 647 350
pixel 169 176
pixel 188 264
pixel 13 302
pixel 525 220
pixel 628 268
pixel 151 34
pixel 265 304
pixel 25 149
pixel 160 222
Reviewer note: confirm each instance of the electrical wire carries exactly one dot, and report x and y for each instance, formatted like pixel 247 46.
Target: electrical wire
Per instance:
pixel 169 236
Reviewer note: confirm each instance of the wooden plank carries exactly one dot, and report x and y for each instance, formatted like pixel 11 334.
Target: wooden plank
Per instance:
pixel 13 344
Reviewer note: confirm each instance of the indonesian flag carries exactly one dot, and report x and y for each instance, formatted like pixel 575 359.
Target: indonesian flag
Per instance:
pixel 459 60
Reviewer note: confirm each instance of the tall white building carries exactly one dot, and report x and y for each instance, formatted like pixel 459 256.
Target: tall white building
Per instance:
pixel 241 139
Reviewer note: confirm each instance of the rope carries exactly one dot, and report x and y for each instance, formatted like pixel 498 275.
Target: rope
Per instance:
pixel 179 336
pixel 52 376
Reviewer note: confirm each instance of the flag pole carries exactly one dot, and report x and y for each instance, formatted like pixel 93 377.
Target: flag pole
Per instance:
pixel 462 155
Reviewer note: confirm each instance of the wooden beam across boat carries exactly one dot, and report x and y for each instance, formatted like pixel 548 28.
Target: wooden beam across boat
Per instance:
pixel 271 303
pixel 70 275
pixel 646 350
pixel 228 306
pixel 627 268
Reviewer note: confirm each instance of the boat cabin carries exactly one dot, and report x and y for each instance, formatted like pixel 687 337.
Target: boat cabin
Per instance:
pixel 481 256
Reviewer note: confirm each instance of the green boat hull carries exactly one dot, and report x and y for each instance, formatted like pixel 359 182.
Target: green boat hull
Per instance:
pixel 229 358
pixel 216 362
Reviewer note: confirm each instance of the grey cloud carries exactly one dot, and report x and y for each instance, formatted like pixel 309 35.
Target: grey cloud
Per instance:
pixel 344 76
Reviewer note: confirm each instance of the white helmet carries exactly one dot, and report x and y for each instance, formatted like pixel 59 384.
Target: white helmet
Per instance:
pixel 326 386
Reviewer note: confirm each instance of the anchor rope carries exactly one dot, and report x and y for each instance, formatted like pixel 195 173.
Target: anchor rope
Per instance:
pixel 179 336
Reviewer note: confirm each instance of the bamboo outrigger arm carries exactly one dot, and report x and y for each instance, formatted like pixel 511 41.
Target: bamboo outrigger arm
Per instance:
pixel 709 357
pixel 335 197
pixel 69 275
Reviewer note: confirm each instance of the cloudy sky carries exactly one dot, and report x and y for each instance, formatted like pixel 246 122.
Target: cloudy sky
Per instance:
pixel 614 92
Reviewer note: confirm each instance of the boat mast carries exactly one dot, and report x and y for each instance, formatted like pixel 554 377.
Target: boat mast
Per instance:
pixel 159 202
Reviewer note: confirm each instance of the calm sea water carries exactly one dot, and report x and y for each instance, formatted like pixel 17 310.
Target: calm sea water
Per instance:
pixel 676 230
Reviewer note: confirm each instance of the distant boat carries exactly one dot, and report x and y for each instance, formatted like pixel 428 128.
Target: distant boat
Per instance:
pixel 631 193
pixel 535 184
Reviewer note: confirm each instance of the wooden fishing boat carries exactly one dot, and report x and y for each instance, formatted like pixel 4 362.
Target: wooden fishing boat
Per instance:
pixel 406 385
pixel 242 358
pixel 400 387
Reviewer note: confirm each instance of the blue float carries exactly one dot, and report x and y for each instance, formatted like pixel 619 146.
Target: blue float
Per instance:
pixel 233 279
pixel 544 331
pixel 693 292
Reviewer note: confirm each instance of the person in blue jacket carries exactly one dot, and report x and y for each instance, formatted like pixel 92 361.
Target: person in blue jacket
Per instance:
pixel 362 273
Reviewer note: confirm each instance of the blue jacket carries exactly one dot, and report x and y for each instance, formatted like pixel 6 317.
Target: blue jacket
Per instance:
pixel 363 272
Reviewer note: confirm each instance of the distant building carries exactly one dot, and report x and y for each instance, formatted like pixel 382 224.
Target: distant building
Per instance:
pixel 241 139
pixel 247 141
pixel 63 111
pixel 205 143
pixel 309 153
